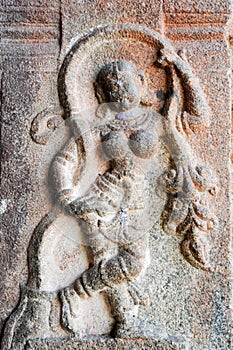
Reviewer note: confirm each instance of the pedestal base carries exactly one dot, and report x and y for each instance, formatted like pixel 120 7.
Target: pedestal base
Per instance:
pixel 106 343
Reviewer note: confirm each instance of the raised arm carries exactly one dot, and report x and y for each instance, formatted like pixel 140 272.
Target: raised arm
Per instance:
pixel 195 112
pixel 189 184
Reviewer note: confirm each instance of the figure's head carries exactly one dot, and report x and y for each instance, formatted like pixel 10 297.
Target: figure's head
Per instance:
pixel 119 83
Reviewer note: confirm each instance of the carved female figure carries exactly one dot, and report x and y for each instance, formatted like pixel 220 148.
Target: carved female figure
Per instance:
pixel 112 213
pixel 112 210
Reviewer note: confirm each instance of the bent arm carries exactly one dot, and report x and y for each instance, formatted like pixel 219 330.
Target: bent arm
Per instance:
pixel 195 101
pixel 196 111
pixel 64 169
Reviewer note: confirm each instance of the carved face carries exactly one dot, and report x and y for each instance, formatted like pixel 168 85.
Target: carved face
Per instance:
pixel 120 84
pixel 123 90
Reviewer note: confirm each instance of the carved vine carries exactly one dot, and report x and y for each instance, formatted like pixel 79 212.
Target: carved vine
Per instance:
pixel 190 185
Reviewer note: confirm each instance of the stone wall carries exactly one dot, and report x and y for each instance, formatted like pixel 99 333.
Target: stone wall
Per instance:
pixel 177 159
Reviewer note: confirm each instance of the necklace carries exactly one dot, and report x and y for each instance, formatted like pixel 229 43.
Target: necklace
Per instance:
pixel 130 120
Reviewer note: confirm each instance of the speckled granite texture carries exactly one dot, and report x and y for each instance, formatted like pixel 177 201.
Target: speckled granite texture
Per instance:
pixel 127 103
pixel 134 344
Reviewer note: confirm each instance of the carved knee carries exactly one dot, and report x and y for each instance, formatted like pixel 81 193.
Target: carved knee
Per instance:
pixel 131 261
pixel 127 265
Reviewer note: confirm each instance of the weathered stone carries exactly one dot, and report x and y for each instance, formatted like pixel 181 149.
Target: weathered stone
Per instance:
pixel 134 344
pixel 115 132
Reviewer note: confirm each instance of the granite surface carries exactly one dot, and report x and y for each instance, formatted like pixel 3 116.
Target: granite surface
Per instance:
pixel 55 64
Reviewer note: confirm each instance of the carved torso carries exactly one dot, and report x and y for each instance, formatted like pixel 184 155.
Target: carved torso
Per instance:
pixel 130 136
pixel 115 199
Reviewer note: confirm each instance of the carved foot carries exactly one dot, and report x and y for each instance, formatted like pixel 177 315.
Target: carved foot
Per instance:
pixel 67 312
pixel 67 296
pixel 126 332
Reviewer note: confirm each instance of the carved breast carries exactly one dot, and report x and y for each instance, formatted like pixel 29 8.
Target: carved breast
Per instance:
pixel 142 143
pixel 115 144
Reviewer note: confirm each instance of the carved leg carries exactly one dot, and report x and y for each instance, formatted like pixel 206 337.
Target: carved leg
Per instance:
pixel 114 276
pixel 125 266
pixel 124 310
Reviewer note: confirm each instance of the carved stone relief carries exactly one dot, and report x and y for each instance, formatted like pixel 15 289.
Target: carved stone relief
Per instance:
pixel 88 257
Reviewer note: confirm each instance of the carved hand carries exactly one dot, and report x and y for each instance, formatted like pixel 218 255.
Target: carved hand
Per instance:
pixel 168 56
pixel 65 197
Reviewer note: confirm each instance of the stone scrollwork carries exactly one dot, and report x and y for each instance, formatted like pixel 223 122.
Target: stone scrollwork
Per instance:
pixel 44 124
pixel 190 185
pixel 111 211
